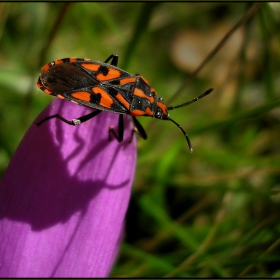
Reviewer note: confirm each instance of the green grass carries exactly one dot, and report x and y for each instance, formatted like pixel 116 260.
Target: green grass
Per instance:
pixel 212 213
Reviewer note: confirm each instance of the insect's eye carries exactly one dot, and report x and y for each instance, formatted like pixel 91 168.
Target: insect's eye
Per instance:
pixel 158 114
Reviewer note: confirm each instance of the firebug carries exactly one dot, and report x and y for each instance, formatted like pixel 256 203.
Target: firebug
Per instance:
pixel 105 87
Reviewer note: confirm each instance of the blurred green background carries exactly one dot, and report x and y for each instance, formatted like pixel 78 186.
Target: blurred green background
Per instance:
pixel 212 213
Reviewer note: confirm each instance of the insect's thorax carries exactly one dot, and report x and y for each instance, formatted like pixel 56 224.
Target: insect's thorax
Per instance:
pixel 145 101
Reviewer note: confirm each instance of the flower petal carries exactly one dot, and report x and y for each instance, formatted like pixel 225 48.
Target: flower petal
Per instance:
pixel 64 197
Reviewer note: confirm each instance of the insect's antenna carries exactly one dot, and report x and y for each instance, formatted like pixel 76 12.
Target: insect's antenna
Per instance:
pixel 191 101
pixel 184 132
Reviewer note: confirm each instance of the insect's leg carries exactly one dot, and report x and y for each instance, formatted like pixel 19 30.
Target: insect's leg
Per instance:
pixel 72 122
pixel 119 137
pixel 115 59
pixel 138 128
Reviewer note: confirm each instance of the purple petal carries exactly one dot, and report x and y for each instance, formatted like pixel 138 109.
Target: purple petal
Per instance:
pixel 64 197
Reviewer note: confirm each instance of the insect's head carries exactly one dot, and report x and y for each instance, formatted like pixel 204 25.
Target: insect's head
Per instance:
pixel 161 111
pixel 163 114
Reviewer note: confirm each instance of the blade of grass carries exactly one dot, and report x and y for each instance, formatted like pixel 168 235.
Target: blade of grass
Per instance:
pixel 255 7
pixel 237 117
pixel 270 249
pixel 139 29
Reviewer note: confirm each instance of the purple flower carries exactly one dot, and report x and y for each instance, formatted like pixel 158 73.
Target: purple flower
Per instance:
pixel 64 197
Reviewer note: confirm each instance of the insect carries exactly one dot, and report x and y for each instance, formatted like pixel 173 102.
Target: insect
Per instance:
pixel 105 87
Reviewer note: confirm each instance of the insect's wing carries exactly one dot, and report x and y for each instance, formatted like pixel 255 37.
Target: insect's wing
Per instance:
pixel 112 92
pixel 102 72
pixel 89 83
pixel 99 97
